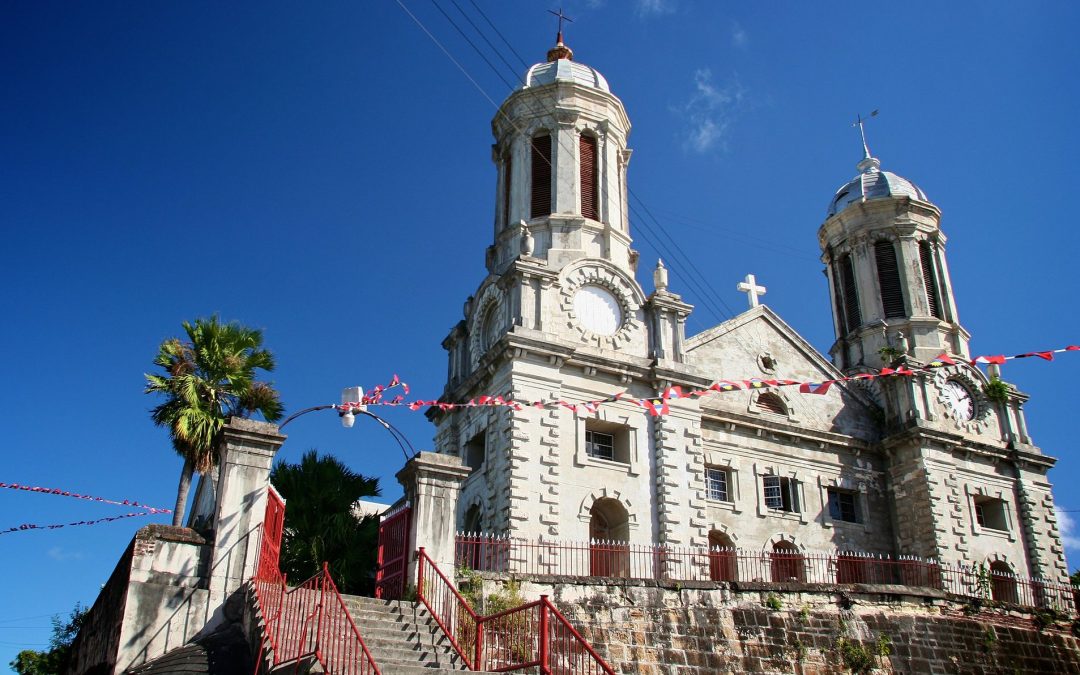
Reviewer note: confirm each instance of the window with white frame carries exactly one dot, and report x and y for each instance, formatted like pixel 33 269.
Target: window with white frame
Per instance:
pixel 990 513
pixel 844 505
pixel 781 494
pixel 608 441
pixel 716 484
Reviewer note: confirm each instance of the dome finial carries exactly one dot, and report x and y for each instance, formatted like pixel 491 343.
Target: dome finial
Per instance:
pixel 868 161
pixel 560 50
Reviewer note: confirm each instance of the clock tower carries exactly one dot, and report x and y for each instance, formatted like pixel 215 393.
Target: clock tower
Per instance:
pixel 560 315
pixel 968 481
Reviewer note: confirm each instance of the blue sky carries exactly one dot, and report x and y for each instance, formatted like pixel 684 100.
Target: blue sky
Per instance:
pixel 322 171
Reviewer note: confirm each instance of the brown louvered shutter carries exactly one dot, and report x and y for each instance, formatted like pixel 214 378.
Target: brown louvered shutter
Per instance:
pixel 508 175
pixel 929 279
pixel 851 296
pixel 839 300
pixel 587 170
pixel 772 403
pixel 892 297
pixel 541 176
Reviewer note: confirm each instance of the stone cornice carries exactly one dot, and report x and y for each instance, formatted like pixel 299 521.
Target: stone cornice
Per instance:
pixel 919 431
pixel 735 420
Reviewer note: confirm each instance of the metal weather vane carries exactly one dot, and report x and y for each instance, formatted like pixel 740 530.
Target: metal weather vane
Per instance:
pixel 860 122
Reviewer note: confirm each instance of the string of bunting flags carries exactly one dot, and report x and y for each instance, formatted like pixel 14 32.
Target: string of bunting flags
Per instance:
pixel 147 510
pixel 30 526
pixel 657 406
pixel 76 495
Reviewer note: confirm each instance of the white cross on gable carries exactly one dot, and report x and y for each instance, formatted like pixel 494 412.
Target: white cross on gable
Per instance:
pixel 752 290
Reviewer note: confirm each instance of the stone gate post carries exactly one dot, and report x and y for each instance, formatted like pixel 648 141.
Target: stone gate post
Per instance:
pixel 432 483
pixel 246 453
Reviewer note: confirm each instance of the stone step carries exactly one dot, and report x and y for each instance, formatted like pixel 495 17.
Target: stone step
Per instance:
pixel 402 637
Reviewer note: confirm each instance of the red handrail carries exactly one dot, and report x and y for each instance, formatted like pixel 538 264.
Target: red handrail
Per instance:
pixel 450 610
pixel 535 634
pixel 290 613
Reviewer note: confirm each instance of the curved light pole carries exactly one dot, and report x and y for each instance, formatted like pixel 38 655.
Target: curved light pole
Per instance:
pixel 348 409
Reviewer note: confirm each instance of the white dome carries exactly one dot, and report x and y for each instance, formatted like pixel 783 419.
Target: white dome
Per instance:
pixel 565 70
pixel 873 183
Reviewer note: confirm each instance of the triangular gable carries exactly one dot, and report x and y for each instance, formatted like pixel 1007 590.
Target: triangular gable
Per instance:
pixel 731 350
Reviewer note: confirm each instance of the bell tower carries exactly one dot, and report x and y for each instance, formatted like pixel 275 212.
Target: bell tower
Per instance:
pixel 884 256
pixel 560 149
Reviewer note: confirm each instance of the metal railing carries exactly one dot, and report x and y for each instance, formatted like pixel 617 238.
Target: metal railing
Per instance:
pixel 311 621
pixel 534 635
pixel 612 559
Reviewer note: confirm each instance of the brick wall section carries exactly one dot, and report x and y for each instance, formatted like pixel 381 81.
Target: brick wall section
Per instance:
pixel 675 630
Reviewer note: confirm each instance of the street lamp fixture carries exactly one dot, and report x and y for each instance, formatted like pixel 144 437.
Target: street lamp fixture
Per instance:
pixel 352 405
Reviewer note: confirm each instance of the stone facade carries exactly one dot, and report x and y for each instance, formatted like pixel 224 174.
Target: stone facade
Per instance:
pixel 924 465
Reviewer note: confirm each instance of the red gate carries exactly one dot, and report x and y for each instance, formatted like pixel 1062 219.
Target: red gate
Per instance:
pixel 393 560
pixel 273 524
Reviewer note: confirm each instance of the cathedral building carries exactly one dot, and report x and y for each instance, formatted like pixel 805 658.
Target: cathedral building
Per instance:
pixel 926 465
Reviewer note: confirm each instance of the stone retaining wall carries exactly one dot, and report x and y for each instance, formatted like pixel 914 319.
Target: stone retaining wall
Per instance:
pixel 699 629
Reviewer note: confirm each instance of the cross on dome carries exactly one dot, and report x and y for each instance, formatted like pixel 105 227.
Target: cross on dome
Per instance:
pixel 752 290
pixel 560 50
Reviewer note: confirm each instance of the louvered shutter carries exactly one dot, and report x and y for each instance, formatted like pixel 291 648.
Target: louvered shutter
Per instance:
pixel 930 279
pixel 587 170
pixel 892 297
pixel 851 296
pixel 508 175
pixel 772 403
pixel 541 176
pixel 841 318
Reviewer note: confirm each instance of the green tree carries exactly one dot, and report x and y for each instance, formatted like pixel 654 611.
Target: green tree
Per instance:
pixel 207 379
pixel 320 524
pixel 55 660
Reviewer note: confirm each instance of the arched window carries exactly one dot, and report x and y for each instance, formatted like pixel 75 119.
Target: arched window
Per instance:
pixel 587 169
pixel 847 299
pixel 541 176
pixel 1002 582
pixel 770 402
pixel 787 562
pixel 472 519
pixel 926 259
pixel 723 559
pixel 888 272
pixel 609 537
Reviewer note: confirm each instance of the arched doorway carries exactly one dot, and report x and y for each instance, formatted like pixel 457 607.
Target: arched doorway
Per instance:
pixel 723 562
pixel 1003 582
pixel 787 562
pixel 609 537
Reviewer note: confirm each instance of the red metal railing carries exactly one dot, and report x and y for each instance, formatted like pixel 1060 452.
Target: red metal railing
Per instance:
pixel 312 621
pixel 309 620
pixel 450 610
pixel 783 565
pixel 535 635
pixel 393 554
pixel 273 525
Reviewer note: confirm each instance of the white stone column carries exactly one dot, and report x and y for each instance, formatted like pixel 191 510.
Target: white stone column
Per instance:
pixel 246 450
pixel 432 483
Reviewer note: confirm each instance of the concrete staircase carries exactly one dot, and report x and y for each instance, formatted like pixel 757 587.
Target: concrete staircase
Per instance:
pixel 402 637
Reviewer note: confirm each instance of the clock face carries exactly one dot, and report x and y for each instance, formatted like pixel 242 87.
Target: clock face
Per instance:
pixel 598 310
pixel 959 401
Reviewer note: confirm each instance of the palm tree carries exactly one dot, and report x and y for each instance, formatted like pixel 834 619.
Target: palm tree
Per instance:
pixel 207 379
pixel 320 525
